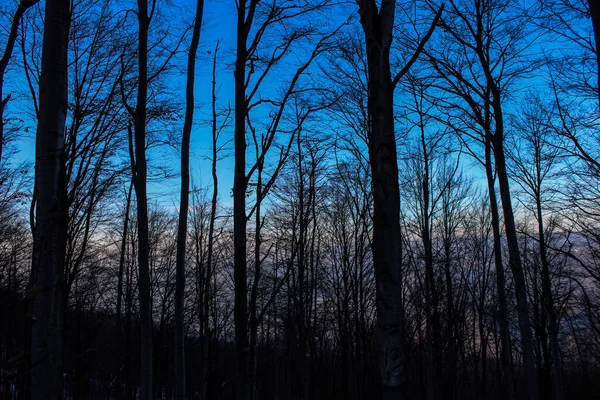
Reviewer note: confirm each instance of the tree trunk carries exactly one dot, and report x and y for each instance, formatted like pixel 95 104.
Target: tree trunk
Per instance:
pixel 557 382
pixel 51 208
pixel 184 206
pixel 252 367
pixel 239 208
pixel 514 260
pixel 211 226
pixel 387 253
pixel 118 324
pixel 140 181
pixel 378 27
pixel 506 355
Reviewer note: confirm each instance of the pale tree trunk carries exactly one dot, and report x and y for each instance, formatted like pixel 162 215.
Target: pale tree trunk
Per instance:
pixel 51 208
pixel 140 182
pixel 184 207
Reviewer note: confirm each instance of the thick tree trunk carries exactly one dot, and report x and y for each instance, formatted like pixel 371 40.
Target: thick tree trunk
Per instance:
pixel 51 208
pixel 387 253
pixel 184 207
pixel 378 27
pixel 140 181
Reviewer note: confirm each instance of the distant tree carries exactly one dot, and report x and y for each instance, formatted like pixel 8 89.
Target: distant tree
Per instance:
pixel 535 162
pixel 485 53
pixel 427 176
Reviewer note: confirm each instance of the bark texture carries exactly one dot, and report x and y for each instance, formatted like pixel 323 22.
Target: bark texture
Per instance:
pixel 387 253
pixel 51 208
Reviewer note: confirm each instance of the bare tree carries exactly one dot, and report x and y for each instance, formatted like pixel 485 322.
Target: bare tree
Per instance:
pixel 253 65
pixel 51 207
pixel 485 32
pixel 535 161
pixel 139 168
pixel 184 205
pixel 378 27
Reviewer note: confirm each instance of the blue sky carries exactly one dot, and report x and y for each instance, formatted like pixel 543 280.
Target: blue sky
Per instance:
pixel 219 25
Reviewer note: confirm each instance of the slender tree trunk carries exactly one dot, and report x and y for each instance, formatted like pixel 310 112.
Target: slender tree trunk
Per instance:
pixel 450 364
pixel 429 282
pixel 118 324
pixel 122 259
pixel 301 368
pixel 252 367
pixel 128 314
pixel 140 182
pixel 213 215
pixel 557 381
pixel 483 346
pixel 514 260
pixel 239 208
pixel 184 207
pixel 51 208
pixel 431 300
pixel 506 355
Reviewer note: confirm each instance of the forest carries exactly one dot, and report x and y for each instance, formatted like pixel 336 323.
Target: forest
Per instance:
pixel 299 199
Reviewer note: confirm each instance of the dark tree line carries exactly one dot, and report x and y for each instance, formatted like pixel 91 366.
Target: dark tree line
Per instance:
pixel 395 199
